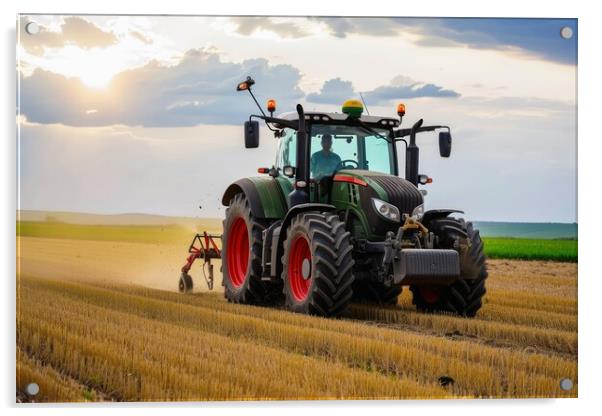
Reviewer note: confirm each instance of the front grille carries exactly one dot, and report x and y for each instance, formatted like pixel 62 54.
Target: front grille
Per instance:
pixel 401 193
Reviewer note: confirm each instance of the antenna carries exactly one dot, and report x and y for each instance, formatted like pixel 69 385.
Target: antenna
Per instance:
pixel 363 102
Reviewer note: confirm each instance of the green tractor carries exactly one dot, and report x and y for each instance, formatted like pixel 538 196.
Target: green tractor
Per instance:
pixel 331 222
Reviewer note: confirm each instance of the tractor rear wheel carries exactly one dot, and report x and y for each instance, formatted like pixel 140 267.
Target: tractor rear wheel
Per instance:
pixel 241 254
pixel 317 265
pixel 376 293
pixel 464 296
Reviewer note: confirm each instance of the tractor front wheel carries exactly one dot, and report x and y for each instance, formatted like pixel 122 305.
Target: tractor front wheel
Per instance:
pixel 317 265
pixel 464 296
pixel 241 254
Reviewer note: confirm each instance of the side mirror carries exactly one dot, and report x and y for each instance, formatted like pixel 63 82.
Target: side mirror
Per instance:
pixel 251 134
pixel 445 142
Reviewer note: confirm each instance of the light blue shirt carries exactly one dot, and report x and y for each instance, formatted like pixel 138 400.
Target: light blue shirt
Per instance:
pixel 324 163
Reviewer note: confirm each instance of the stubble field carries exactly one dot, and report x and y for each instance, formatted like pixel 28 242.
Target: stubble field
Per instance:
pixel 100 320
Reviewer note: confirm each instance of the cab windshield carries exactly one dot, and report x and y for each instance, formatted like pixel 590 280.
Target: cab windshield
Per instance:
pixel 336 147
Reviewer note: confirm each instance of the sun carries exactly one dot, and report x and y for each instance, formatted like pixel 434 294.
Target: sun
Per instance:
pixel 96 79
pixel 94 67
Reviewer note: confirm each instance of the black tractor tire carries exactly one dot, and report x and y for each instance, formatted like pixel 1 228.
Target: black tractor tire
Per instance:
pixel 185 283
pixel 464 296
pixel 376 293
pixel 317 265
pixel 242 243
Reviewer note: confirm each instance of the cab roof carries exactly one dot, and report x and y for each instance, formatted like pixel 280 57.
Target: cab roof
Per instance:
pixel 326 117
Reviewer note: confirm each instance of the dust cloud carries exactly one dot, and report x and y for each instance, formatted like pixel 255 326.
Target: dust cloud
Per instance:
pixel 156 266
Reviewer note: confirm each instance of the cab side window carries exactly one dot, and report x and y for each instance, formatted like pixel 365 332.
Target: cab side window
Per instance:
pixel 379 157
pixel 287 153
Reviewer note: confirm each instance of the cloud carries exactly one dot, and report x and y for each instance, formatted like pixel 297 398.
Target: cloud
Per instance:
pixel 535 37
pixel 198 89
pixel 539 37
pixel 335 91
pixel 386 93
pixel 285 29
pixel 74 31
pixel 140 37
pixel 530 37
pixel 373 26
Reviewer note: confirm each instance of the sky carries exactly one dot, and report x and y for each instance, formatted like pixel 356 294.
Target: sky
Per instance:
pixel 126 114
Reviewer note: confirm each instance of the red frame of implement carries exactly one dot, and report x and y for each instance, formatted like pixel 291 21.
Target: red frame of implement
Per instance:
pixel 208 249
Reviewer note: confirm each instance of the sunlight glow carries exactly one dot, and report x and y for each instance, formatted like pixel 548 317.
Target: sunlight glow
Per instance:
pixel 96 79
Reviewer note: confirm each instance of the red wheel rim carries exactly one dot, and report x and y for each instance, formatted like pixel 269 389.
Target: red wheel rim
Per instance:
pixel 299 254
pixel 430 294
pixel 238 252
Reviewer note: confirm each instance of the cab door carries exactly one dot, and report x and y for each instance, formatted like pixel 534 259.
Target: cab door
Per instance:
pixel 286 156
pixel 346 147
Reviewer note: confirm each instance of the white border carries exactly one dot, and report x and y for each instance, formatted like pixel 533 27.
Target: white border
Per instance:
pixel 589 152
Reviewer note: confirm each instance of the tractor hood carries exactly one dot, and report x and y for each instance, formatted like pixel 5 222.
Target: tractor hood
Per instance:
pixel 392 189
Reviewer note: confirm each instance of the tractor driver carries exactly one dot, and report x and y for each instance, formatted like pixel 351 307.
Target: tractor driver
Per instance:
pixel 325 161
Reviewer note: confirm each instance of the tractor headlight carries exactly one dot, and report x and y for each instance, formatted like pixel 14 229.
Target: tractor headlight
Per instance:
pixel 418 212
pixel 386 210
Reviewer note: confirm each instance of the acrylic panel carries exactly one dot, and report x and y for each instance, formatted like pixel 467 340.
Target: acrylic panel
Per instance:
pixel 223 208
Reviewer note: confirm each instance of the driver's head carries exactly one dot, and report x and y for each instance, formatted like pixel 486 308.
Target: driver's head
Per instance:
pixel 326 142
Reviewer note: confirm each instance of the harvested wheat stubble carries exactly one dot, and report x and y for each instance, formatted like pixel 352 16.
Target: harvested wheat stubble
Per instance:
pixel 362 353
pixel 547 278
pixel 499 312
pixel 439 345
pixel 527 300
pixel 133 358
pixel 519 335
pixel 478 370
pixel 539 319
pixel 53 386
pixel 112 341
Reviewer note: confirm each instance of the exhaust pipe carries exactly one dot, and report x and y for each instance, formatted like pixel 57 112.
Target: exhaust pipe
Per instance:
pixel 300 195
pixel 412 155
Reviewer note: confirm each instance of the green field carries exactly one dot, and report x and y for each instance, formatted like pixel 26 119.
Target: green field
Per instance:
pixel 163 234
pixel 495 247
pixel 531 249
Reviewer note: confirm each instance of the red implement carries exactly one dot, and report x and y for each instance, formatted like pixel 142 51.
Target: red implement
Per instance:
pixel 204 247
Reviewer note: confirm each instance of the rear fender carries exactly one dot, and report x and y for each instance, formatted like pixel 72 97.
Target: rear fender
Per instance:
pixel 265 197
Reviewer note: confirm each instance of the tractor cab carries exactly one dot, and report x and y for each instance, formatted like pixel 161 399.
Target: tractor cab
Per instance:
pixel 366 143
pixel 337 146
